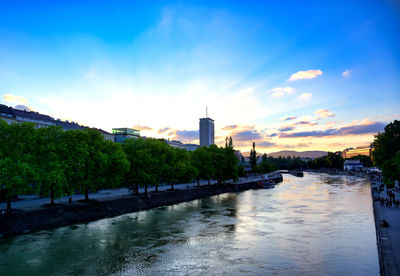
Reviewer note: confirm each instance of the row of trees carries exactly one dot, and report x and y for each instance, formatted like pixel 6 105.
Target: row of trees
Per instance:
pixel 386 153
pixel 52 162
pixel 329 161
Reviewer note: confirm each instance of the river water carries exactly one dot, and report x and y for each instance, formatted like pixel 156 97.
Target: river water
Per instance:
pixel 316 225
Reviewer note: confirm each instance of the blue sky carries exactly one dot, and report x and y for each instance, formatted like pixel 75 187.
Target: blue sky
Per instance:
pixel 155 65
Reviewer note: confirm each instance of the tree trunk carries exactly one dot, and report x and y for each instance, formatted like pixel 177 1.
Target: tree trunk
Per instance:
pixel 70 199
pixel 209 182
pixel 137 189
pixel 198 182
pixel 172 186
pixel 87 195
pixel 145 189
pixel 8 209
pixel 156 188
pixel 51 197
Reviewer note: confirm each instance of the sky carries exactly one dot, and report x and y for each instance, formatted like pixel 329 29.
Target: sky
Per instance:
pixel 287 75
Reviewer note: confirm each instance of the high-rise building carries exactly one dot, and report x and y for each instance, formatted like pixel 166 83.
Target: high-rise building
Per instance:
pixel 206 131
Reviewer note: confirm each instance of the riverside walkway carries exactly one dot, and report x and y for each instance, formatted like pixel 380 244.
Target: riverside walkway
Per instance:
pixel 388 238
pixel 32 202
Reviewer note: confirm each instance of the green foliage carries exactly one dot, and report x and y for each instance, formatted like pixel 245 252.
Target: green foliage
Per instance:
pixel 14 178
pixel 386 153
pixel 334 160
pixel 49 164
pixel 241 171
pixel 253 157
pixel 386 144
pixel 117 164
pixel 17 158
pixel 202 160
pixel 288 163
pixel 53 162
pixel 265 167
pixel 74 153
pixel 231 169
pixel 141 162
pixel 329 161
pixel 391 168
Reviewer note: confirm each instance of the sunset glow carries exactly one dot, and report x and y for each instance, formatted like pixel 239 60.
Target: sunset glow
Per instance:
pixel 298 77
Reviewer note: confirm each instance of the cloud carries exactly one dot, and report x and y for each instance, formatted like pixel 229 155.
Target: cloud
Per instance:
pixel 305 96
pixel 309 74
pixel 14 99
pixel 303 145
pixel 315 133
pixel 292 126
pixel 346 73
pixel 289 118
pixel 273 135
pixel 246 91
pixel 266 144
pixel 230 127
pixel 163 130
pixel 308 123
pixel 186 135
pixel 323 113
pixel 246 135
pixel 286 128
pixel 280 91
pixel 139 127
pixel 373 127
pixel 369 128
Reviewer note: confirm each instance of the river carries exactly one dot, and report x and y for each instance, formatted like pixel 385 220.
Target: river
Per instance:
pixel 316 225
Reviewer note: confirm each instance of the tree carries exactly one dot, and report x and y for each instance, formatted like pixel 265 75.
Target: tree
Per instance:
pixel 265 167
pixel 17 159
pixel 231 161
pixel 386 144
pixel 14 178
pixel 117 164
pixel 391 169
pixel 74 153
pixel 139 160
pixel 334 160
pixel 95 165
pixel 50 165
pixel 264 158
pixel 202 160
pixel 253 157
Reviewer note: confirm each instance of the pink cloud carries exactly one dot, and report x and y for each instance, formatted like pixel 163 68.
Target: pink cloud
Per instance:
pixel 309 74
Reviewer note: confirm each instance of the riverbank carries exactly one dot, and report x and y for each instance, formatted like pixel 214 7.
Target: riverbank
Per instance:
pixel 46 217
pixel 388 238
pixel 337 172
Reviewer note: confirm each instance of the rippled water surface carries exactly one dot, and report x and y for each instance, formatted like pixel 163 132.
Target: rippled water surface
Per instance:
pixel 316 225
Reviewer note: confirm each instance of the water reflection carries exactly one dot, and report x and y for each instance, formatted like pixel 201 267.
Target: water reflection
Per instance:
pixel 319 224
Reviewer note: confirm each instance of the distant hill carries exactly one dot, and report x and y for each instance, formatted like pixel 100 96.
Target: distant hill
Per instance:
pixel 302 154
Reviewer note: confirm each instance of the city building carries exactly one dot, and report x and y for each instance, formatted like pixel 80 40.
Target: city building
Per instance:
pixel 180 145
pixel 350 152
pixel 14 115
pixel 206 131
pixel 121 134
pixel 352 165
pixel 191 147
pixel 176 144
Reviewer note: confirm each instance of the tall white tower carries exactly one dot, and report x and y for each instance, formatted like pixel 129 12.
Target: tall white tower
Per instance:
pixel 206 131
